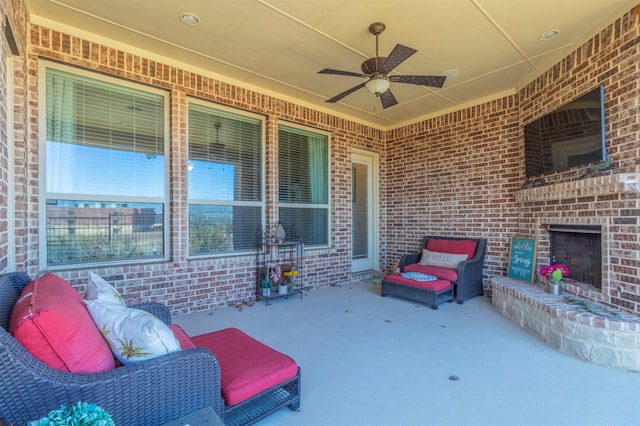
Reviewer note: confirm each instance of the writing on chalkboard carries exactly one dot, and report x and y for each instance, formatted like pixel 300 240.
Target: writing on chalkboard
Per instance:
pixel 524 243
pixel 522 259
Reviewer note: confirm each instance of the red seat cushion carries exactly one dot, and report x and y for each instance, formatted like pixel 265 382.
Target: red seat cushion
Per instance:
pixel 467 247
pixel 442 273
pixel 247 366
pixel 436 285
pixel 52 322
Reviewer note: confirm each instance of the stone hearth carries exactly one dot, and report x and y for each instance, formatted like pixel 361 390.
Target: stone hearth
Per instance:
pixel 612 342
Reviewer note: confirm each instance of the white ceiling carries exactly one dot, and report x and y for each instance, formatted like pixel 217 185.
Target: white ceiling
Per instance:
pixel 278 46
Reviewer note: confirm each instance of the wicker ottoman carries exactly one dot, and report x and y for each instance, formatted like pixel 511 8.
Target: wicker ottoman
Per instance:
pixel 431 293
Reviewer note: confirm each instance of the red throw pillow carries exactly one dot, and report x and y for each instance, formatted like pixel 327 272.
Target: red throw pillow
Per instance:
pixel 51 321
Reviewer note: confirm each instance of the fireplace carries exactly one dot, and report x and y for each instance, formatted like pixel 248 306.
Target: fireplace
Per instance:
pixel 579 247
pixel 600 208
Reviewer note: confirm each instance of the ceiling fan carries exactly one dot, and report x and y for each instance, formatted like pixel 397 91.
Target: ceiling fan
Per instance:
pixel 377 70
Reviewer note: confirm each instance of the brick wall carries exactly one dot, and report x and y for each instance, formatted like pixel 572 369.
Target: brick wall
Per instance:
pixel 463 173
pixel 14 11
pixel 611 198
pixel 456 174
pixel 192 285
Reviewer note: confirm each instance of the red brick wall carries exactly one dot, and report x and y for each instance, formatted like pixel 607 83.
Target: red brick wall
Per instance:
pixel 610 199
pixel 16 15
pixel 455 175
pixel 190 285
pixel 463 173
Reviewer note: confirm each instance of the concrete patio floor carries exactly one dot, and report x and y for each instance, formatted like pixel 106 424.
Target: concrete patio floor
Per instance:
pixel 369 360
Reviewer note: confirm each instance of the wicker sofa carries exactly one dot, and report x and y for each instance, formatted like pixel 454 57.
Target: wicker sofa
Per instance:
pixel 150 392
pixel 466 278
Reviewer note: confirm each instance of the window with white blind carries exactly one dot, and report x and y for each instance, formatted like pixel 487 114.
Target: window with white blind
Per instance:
pixel 105 185
pixel 225 180
pixel 303 165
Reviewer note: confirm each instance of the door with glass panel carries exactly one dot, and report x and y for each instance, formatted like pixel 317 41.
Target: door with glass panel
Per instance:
pixel 363 213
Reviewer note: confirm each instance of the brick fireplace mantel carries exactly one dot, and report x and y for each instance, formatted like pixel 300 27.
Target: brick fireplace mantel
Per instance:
pixel 611 202
pixel 601 185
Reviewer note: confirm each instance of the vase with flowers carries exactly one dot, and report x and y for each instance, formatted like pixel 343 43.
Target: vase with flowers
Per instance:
pixel 553 274
pixel 291 275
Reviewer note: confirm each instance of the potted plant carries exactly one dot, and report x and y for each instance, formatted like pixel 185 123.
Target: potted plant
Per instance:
pixel 553 275
pixel 79 414
pixel 266 287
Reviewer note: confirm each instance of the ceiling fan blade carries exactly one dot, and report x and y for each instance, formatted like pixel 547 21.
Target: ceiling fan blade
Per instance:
pixel 398 55
pixel 336 98
pixel 387 99
pixel 339 72
pixel 421 80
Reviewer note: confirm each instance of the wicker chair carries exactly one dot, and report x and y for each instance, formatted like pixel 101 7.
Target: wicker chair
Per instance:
pixel 152 392
pixel 470 279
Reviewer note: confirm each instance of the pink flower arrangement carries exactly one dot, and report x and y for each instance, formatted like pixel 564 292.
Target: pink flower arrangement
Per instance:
pixel 274 271
pixel 554 273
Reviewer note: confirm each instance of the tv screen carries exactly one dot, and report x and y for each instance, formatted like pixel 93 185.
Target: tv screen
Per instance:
pixel 570 136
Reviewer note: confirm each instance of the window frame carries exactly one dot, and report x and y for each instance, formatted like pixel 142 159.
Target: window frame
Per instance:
pixel 326 206
pixel 232 203
pixel 43 66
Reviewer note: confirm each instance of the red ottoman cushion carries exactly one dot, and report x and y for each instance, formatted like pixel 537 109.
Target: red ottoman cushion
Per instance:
pixel 442 273
pixel 436 285
pixel 247 366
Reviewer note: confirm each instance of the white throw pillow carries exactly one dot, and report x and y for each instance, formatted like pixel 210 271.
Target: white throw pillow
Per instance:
pixel 442 260
pixel 132 334
pixel 98 288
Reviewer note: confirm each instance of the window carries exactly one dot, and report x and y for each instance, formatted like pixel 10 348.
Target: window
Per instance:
pixel 225 180
pixel 303 164
pixel 105 185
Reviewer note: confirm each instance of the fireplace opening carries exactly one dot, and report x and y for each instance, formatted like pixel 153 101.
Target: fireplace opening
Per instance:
pixel 578 247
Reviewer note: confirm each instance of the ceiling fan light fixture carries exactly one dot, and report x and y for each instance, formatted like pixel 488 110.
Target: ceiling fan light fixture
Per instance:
pixel 377 84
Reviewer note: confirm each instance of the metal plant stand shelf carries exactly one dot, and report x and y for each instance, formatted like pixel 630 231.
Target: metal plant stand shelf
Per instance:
pixel 288 254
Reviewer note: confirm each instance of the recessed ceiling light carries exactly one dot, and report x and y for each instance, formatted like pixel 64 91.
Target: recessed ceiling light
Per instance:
pixel 450 73
pixel 189 18
pixel 548 34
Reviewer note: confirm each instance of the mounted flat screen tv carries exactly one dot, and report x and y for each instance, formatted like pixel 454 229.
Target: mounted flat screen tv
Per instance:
pixel 570 136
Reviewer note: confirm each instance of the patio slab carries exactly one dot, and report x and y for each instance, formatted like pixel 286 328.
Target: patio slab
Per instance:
pixel 369 360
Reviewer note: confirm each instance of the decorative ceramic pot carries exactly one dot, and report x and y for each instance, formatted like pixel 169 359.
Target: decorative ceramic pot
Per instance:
pixel 555 288
pixel 266 292
pixel 278 233
pixel 282 288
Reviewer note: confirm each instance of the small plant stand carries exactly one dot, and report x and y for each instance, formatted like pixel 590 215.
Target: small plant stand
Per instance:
pixel 289 254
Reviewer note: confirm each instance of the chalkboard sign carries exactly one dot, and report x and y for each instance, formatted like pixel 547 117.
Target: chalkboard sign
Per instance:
pixel 522 259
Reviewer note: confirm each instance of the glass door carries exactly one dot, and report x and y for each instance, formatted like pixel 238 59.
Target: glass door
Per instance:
pixel 362 213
